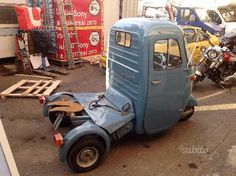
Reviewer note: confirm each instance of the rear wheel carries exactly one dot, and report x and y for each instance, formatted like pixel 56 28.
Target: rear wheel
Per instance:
pixel 187 114
pixel 86 154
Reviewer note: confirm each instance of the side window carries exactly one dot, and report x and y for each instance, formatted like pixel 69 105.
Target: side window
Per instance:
pixel 189 34
pixel 166 54
pixel 160 55
pixel 123 39
pixel 203 37
pixel 174 59
pixel 200 36
pixel 192 17
pixel 187 15
pixel 214 16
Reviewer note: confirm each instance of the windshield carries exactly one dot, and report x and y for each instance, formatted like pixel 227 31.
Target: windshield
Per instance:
pixel 228 13
pixel 202 13
pixel 207 15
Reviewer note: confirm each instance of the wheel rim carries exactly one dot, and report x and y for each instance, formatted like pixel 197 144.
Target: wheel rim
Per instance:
pixel 87 157
pixel 188 110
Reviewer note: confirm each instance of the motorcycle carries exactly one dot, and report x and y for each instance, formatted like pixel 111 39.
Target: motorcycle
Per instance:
pixel 229 40
pixel 217 64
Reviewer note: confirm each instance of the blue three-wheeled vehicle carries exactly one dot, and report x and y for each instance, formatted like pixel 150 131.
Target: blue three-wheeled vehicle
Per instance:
pixel 149 84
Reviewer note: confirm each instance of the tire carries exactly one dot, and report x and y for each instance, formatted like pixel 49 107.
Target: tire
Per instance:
pixel 188 116
pixel 65 121
pixel 90 146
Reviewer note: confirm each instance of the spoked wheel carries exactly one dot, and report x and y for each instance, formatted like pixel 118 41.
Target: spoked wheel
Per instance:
pixel 188 112
pixel 65 121
pixel 86 154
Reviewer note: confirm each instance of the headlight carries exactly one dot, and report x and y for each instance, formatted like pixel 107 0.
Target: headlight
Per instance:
pixel 212 54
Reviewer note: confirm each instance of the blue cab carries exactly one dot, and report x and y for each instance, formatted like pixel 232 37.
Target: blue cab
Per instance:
pixel 149 85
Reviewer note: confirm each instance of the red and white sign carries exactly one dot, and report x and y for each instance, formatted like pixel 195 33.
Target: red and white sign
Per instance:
pixel 28 18
pixel 88 21
pixel 89 43
pixel 86 13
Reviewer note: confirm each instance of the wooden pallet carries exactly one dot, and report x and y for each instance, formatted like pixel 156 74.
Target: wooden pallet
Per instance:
pixel 31 88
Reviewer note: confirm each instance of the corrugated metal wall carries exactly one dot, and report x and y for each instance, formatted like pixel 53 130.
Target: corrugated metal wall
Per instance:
pixel 110 16
pixel 130 8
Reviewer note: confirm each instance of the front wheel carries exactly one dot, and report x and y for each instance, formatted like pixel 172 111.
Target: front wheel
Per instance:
pixel 187 114
pixel 86 154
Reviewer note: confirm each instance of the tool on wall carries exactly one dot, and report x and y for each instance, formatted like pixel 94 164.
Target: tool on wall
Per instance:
pixel 67 22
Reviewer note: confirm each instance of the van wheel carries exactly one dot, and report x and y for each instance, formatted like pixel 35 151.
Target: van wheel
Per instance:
pixel 65 121
pixel 187 114
pixel 86 154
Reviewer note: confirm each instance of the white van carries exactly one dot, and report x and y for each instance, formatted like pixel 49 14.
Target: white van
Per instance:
pixel 228 17
pixel 8 27
pixel 152 9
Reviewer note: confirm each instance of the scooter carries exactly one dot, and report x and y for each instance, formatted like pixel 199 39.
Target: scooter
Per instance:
pixel 149 86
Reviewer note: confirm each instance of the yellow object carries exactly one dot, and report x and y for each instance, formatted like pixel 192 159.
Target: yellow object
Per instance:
pixel 190 33
pixel 103 62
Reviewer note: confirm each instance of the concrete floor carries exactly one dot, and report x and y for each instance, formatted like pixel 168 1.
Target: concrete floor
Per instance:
pixel 203 146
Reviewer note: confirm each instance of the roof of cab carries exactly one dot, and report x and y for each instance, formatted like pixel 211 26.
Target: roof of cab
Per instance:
pixel 147 26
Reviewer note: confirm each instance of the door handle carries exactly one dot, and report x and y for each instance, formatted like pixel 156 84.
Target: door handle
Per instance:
pixel 156 82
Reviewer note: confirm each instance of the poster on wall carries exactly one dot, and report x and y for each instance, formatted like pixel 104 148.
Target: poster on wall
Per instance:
pixel 86 13
pixel 89 43
pixel 88 21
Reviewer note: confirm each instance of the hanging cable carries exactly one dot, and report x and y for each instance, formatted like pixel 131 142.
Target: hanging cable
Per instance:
pixel 95 104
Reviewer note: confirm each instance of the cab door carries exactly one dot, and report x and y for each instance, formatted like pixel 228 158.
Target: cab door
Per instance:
pixel 187 17
pixel 166 85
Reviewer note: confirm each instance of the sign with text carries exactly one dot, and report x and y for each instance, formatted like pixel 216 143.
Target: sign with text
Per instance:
pixel 89 43
pixel 86 13
pixel 88 22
